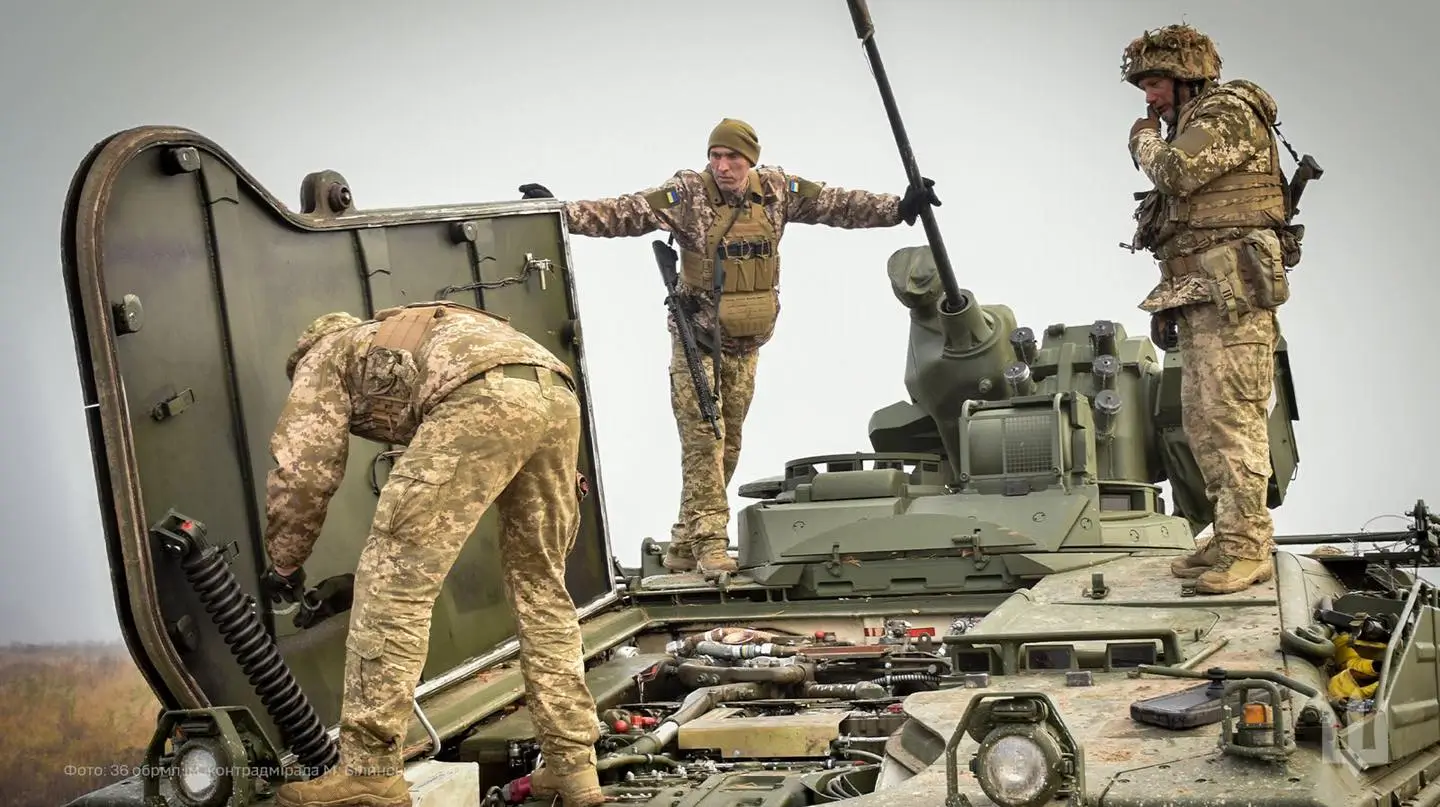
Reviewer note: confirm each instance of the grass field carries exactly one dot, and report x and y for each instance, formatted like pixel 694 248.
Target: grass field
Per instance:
pixel 73 718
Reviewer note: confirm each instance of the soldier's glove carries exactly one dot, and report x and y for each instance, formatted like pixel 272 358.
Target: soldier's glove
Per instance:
pixel 1164 330
pixel 534 190
pixel 331 596
pixel 280 587
pixel 914 197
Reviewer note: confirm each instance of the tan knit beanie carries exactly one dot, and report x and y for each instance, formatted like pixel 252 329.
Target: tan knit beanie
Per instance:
pixel 736 134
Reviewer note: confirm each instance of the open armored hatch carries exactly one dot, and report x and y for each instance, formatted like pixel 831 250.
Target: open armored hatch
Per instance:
pixel 190 283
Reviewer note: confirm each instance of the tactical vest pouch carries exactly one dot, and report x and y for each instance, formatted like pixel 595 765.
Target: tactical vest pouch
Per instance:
pixel 1218 266
pixel 747 302
pixel 1239 199
pixel 1243 274
pixel 748 313
pixel 1262 267
pixel 1150 222
pixel 384 404
pixel 741 244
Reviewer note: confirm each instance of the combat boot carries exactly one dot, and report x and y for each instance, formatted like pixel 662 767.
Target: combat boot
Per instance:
pixel 678 558
pixel 1230 574
pixel 711 556
pixel 336 788
pixel 1195 564
pixel 578 789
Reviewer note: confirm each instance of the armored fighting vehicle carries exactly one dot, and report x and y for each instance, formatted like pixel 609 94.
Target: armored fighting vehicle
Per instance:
pixel 980 611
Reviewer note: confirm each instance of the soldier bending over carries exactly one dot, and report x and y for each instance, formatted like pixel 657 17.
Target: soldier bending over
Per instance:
pixel 489 416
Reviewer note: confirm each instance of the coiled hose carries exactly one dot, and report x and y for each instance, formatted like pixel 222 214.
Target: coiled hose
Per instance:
pixel 890 679
pixel 253 648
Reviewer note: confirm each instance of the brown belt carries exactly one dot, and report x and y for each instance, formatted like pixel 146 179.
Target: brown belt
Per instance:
pixel 1186 265
pixel 1175 268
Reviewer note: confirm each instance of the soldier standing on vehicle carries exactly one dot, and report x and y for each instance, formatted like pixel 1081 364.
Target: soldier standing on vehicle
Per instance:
pixel 737 212
pixel 489 416
pixel 1216 222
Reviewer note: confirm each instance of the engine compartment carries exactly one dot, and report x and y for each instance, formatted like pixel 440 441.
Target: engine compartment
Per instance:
pixel 788 717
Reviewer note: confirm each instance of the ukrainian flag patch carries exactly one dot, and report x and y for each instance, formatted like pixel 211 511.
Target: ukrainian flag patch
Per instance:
pixel 794 186
pixel 672 196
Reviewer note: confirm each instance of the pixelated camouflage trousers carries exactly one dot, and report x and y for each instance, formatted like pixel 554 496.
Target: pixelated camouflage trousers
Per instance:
pixel 498 439
pixel 1225 389
pixel 707 464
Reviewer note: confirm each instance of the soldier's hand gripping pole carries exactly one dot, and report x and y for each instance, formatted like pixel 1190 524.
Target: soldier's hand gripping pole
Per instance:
pixel 865 30
pixel 666 257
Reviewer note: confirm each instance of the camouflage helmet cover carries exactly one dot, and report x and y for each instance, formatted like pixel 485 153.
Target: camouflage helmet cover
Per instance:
pixel 1178 51
pixel 322 327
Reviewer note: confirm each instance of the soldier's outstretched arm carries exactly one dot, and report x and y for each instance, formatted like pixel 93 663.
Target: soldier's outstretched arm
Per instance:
pixel 310 446
pixel 1223 134
pixel 809 202
pixel 623 216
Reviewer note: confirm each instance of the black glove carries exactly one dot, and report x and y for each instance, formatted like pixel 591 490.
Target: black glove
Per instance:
pixel 535 190
pixel 331 596
pixel 914 197
pixel 279 587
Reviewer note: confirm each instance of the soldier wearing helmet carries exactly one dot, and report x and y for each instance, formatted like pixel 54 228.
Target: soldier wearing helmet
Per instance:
pixel 488 416
pixel 1215 221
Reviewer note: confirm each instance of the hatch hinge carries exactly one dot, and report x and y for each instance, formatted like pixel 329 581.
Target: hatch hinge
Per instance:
pixel 326 193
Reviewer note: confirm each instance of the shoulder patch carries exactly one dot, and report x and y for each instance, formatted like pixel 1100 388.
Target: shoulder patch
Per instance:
pixel 803 187
pixel 663 198
pixel 1193 140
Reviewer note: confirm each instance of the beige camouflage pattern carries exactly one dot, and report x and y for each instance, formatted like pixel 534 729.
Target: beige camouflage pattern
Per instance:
pixel 1220 133
pixel 1223 275
pixel 578 789
pixel 1225 387
pixel 310 443
pixel 498 423
pixel 1213 222
pixel 706 464
pixel 689 220
pixel 500 440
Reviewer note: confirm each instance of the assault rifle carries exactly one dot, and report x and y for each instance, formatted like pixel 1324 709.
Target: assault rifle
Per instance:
pixel 1306 171
pixel 667 258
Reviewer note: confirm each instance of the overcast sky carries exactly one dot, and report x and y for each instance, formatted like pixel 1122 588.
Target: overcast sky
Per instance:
pixel 1016 109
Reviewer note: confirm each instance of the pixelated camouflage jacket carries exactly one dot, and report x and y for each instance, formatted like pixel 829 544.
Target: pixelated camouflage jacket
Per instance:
pixel 691 218
pixel 311 441
pixel 1224 134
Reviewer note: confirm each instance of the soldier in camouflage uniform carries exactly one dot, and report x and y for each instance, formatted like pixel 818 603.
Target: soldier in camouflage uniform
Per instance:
pixel 1216 221
pixel 488 417
pixel 734 210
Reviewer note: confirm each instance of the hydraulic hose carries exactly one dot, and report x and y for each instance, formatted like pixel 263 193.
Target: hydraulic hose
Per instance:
pixel 695 704
pixel 694 674
pixel 234 614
